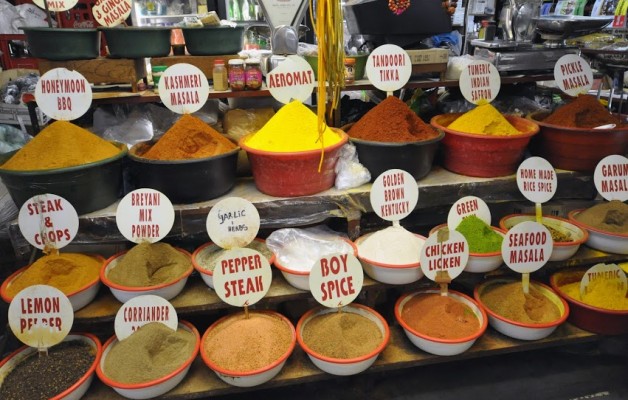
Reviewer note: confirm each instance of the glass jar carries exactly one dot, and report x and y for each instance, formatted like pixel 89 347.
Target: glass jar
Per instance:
pixel 349 70
pixel 253 74
pixel 237 80
pixel 219 76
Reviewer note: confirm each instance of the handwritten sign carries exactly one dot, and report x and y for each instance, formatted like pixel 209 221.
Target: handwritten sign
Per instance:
pixel 63 94
pixel 111 12
pixel 242 277
pixel 466 206
pixel 394 195
pixel 527 247
pixel 336 280
pixel 183 88
pixel 444 256
pixel 389 67
pixel 48 221
pixel 292 79
pixel 56 5
pixel 40 316
pixel 233 222
pixel 536 179
pixel 573 75
pixel 145 215
pixel 480 81
pixel 142 310
pixel 606 272
pixel 611 178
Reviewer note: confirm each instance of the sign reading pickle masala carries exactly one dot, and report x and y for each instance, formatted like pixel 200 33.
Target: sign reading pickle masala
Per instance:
pixel 573 75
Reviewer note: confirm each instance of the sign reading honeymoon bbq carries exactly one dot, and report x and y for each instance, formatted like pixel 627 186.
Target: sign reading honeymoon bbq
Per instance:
pixel 63 94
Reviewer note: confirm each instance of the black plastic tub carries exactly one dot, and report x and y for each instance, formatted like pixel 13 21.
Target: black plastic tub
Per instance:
pixel 137 42
pixel 213 40
pixel 61 44
pixel 88 187
pixel 184 181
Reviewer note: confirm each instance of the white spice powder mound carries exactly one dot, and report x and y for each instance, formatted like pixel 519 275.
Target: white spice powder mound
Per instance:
pixel 393 245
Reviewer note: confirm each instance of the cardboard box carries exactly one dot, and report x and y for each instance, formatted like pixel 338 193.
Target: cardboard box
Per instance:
pixel 429 56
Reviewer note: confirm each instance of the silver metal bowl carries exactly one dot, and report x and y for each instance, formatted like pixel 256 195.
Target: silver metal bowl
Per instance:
pixel 560 27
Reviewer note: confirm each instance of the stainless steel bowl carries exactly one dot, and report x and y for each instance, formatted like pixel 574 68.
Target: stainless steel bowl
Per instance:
pixel 559 27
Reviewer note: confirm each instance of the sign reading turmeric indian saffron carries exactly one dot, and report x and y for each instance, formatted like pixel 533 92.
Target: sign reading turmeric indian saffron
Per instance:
pixel 111 12
pixel 480 81
pixel 63 94
pixel 394 194
pixel 145 215
pixel 389 67
pixel 242 277
pixel 573 75
pixel 48 221
pixel 292 79
pixel 611 177
pixel 183 88
pixel 142 310
pixel 607 277
pixel 56 5
pixel 336 280
pixel 527 247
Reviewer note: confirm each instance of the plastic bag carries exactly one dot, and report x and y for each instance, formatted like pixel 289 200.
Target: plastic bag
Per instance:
pixel 349 172
pixel 300 248
pixel 239 123
pixel 134 129
pixel 12 138
pixel 12 91
pixel 455 65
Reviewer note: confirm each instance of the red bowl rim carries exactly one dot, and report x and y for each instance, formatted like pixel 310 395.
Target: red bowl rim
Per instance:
pixel 113 285
pixel 573 129
pixel 476 296
pixel 386 265
pixel 435 123
pixel 579 303
pixel 477 255
pixel 585 236
pixel 83 378
pixel 304 273
pixel 373 353
pixel 343 139
pixel 572 218
pixel 203 271
pixel 407 327
pixel 275 363
pixel 3 288
pixel 134 386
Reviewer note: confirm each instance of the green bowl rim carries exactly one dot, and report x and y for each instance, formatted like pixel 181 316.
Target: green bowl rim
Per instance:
pixel 64 30
pixel 134 28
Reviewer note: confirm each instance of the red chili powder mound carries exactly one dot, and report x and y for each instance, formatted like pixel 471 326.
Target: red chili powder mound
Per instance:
pixel 583 112
pixel 392 121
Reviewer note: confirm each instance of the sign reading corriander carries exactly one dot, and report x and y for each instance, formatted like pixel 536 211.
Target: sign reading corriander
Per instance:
pixel 145 215
pixel 142 310
pixel 611 178
pixel 183 88
pixel 394 194
pixel 242 277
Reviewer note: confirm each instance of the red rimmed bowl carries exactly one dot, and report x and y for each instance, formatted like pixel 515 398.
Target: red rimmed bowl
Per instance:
pixel 294 174
pixel 79 298
pixel 341 366
pixel 602 240
pixel 123 293
pixel 79 388
pixel 521 330
pixel 587 317
pixel 480 263
pixel 438 346
pixel 561 250
pixel 255 377
pixel 484 156
pixel 154 388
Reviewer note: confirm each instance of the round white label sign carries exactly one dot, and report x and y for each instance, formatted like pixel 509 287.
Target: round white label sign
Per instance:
pixel 40 316
pixel 233 222
pixel 242 277
pixel 145 215
pixel 183 88
pixel 63 95
pixel 468 205
pixel 389 67
pixel 527 247
pixel 607 272
pixel 56 5
pixel 336 280
pixel 573 74
pixel 111 13
pixel 611 178
pixel 141 310
pixel 480 81
pixel 394 194
pixel 537 180
pixel 292 79
pixel 48 221
pixel 444 255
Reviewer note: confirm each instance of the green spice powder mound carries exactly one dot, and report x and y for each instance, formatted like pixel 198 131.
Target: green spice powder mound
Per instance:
pixel 480 237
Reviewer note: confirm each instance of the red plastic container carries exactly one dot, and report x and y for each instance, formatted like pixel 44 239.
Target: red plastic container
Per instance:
pixel 294 174
pixel 484 156
pixel 7 61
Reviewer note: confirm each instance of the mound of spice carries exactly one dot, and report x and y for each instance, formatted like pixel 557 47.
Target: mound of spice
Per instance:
pixel 584 111
pixel 509 301
pixel 61 145
pixel 243 344
pixel 392 121
pixel 150 353
pixel 393 245
pixel 610 216
pixel 601 293
pixel 68 272
pixel 441 317
pixel 480 236
pixel 207 257
pixel 484 120
pixel 293 128
pixel 559 236
pixel 188 138
pixel 43 377
pixel 342 335
pixel 150 264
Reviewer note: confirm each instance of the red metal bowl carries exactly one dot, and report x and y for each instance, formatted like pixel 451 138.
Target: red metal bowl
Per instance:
pixel 484 156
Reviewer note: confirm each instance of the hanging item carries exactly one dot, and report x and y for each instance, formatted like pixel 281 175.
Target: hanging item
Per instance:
pixel 398 6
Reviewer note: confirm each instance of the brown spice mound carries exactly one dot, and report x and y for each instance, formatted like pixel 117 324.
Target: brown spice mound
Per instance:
pixel 509 301
pixel 583 112
pixel 343 335
pixel 609 216
pixel 392 121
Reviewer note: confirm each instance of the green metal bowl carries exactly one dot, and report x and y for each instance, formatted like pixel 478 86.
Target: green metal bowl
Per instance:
pixel 137 42
pixel 213 40
pixel 59 44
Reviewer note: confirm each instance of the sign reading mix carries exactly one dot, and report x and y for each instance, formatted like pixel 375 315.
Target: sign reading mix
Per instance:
pixel 145 215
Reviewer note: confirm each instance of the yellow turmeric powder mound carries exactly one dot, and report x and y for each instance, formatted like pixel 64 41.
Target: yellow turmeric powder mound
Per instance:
pixel 484 120
pixel 189 138
pixel 602 293
pixel 68 272
pixel 293 128
pixel 60 145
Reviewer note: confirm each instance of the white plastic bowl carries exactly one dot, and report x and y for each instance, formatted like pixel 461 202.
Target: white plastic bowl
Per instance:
pixel 519 330
pixel 602 240
pixel 157 387
pixel 394 274
pixel 79 388
pixel 561 250
pixel 441 347
pixel 249 378
pixel 480 263
pixel 166 290
pixel 337 366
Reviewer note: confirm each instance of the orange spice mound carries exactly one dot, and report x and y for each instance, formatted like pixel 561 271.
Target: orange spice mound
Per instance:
pixel 189 138
pixel 584 111
pixel 392 121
